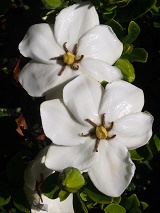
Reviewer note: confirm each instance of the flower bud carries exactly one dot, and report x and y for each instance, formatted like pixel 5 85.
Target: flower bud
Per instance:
pixel 71 179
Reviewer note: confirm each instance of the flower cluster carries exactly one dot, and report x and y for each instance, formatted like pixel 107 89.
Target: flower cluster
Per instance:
pixel 91 127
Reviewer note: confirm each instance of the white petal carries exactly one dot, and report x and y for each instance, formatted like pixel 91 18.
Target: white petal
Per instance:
pixel 35 168
pixel 59 125
pixel 48 205
pixel 133 130
pixel 73 21
pixel 121 98
pixel 82 97
pixel 101 43
pixel 114 170
pixel 82 156
pixel 100 70
pixel 38 79
pixel 39 43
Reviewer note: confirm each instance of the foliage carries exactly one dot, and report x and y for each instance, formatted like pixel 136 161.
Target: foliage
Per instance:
pixel 128 24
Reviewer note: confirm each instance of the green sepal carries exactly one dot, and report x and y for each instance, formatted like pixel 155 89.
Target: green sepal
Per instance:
pixel 63 195
pixel 49 186
pixel 5 194
pixel 114 208
pixel 71 179
pixel 134 10
pixel 133 33
pixel 15 170
pixel 21 202
pixel 78 204
pixel 137 55
pixel 127 69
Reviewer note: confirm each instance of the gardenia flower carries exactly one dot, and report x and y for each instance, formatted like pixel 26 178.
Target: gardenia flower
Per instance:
pixel 95 128
pixel 34 174
pixel 75 44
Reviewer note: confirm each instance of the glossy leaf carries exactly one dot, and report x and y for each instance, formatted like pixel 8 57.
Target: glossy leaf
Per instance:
pixel 156 142
pixel 142 153
pixel 49 186
pixel 21 202
pixel 5 194
pixel 133 33
pixel 98 197
pixel 51 4
pixel 117 28
pixel 133 10
pixel 78 204
pixel 126 68
pixel 130 202
pixel 137 55
pixel 114 208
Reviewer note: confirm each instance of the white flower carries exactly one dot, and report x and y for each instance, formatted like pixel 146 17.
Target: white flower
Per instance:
pixel 75 44
pixel 95 128
pixel 34 173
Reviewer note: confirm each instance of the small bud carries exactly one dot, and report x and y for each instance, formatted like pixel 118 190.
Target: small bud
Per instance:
pixel 71 179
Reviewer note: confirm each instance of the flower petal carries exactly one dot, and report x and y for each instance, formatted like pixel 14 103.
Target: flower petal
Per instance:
pixel 38 79
pixel 82 97
pixel 73 21
pixel 101 43
pixel 133 130
pixel 114 170
pixel 100 70
pixel 59 125
pixel 35 168
pixel 39 43
pixel 121 98
pixel 82 156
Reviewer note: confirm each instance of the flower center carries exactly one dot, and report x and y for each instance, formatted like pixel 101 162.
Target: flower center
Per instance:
pixel 100 131
pixel 69 59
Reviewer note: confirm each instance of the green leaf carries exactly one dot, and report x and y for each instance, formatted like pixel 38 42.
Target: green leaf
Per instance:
pixel 98 197
pixel 21 202
pixel 156 142
pixel 114 208
pixel 4 6
pixel 144 205
pixel 133 33
pixel 78 204
pixel 126 68
pixel 133 10
pixel 141 153
pixel 135 155
pixel 49 186
pixel 5 194
pixel 15 170
pixel 137 55
pixel 51 4
pixel 117 28
pixel 130 202
pixel 135 210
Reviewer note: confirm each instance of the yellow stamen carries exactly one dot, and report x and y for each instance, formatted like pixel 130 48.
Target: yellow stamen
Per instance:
pixel 68 58
pixel 101 132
